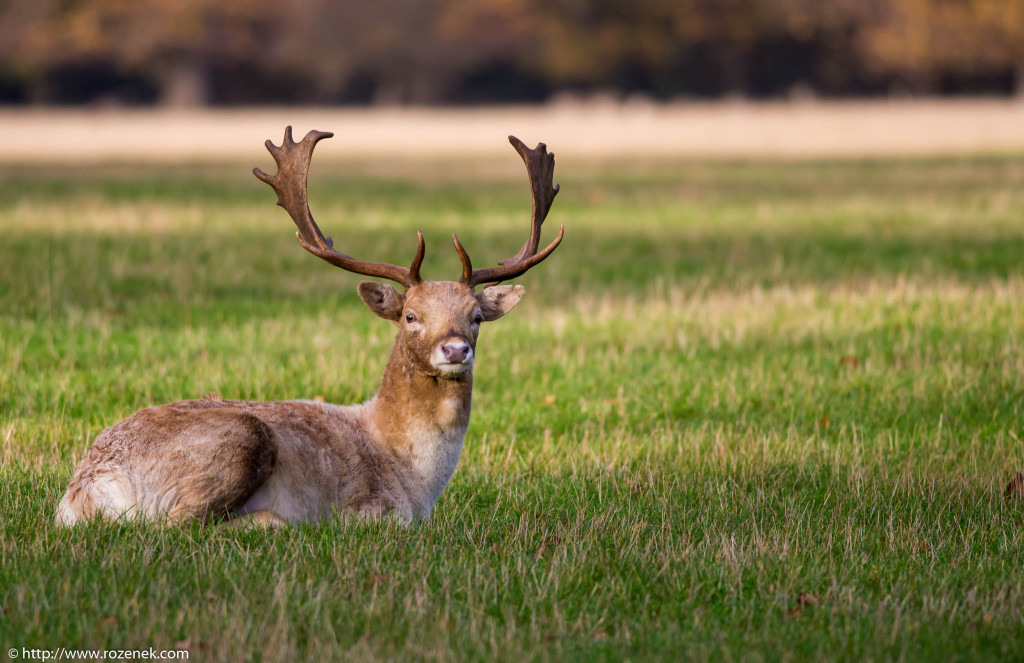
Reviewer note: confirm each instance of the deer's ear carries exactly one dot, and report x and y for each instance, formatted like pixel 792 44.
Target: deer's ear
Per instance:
pixel 498 300
pixel 382 299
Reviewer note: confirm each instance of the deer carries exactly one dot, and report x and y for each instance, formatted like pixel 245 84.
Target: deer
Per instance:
pixel 272 464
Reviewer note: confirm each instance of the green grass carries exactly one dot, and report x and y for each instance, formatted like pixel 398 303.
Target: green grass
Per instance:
pixel 747 411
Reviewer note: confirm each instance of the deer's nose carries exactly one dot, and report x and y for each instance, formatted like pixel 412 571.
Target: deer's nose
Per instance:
pixel 456 351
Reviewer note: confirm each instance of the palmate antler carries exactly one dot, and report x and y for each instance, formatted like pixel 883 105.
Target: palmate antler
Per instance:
pixel 290 184
pixel 540 166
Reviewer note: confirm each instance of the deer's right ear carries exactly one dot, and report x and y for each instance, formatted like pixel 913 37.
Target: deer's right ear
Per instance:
pixel 382 299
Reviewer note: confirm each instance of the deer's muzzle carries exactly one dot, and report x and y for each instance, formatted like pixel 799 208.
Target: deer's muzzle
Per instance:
pixel 452 355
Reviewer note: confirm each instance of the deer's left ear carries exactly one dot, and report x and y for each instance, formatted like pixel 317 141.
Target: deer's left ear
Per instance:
pixel 382 299
pixel 498 300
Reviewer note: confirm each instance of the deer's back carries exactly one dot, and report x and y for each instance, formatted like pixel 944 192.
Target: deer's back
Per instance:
pixel 207 457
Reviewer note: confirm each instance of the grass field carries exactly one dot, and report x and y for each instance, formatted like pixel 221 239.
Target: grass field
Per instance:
pixel 747 411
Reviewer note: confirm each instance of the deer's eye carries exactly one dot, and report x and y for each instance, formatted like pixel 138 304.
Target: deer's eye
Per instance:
pixel 477 319
pixel 410 318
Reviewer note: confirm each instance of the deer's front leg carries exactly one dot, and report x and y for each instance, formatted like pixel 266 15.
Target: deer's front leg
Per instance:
pixel 262 518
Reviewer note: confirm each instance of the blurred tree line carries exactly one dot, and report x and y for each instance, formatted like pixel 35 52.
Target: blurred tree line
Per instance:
pixel 195 52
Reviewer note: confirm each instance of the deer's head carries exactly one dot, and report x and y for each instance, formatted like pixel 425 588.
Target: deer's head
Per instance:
pixel 438 321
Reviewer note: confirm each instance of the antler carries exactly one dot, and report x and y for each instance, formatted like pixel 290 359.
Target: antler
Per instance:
pixel 290 184
pixel 540 166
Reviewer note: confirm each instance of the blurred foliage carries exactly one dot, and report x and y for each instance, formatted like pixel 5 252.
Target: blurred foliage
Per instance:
pixel 193 52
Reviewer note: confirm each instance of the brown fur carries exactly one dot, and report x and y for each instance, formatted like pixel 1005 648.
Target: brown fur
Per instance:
pixel 301 460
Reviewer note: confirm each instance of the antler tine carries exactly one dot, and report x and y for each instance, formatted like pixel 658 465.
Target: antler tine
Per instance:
pixel 540 167
pixel 421 249
pixel 467 264
pixel 290 183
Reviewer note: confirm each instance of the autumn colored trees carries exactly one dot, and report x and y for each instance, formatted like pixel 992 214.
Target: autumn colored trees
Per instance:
pixel 194 52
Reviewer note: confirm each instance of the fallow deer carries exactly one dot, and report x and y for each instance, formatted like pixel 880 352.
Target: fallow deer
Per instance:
pixel 289 461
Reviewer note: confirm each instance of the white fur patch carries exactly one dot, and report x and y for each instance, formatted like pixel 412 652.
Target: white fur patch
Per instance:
pixel 114 496
pixel 431 464
pixel 66 514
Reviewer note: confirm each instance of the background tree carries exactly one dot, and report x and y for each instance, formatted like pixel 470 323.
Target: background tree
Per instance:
pixel 924 42
pixel 192 52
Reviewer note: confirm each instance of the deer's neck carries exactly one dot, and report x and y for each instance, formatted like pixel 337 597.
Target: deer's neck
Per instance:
pixel 421 420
